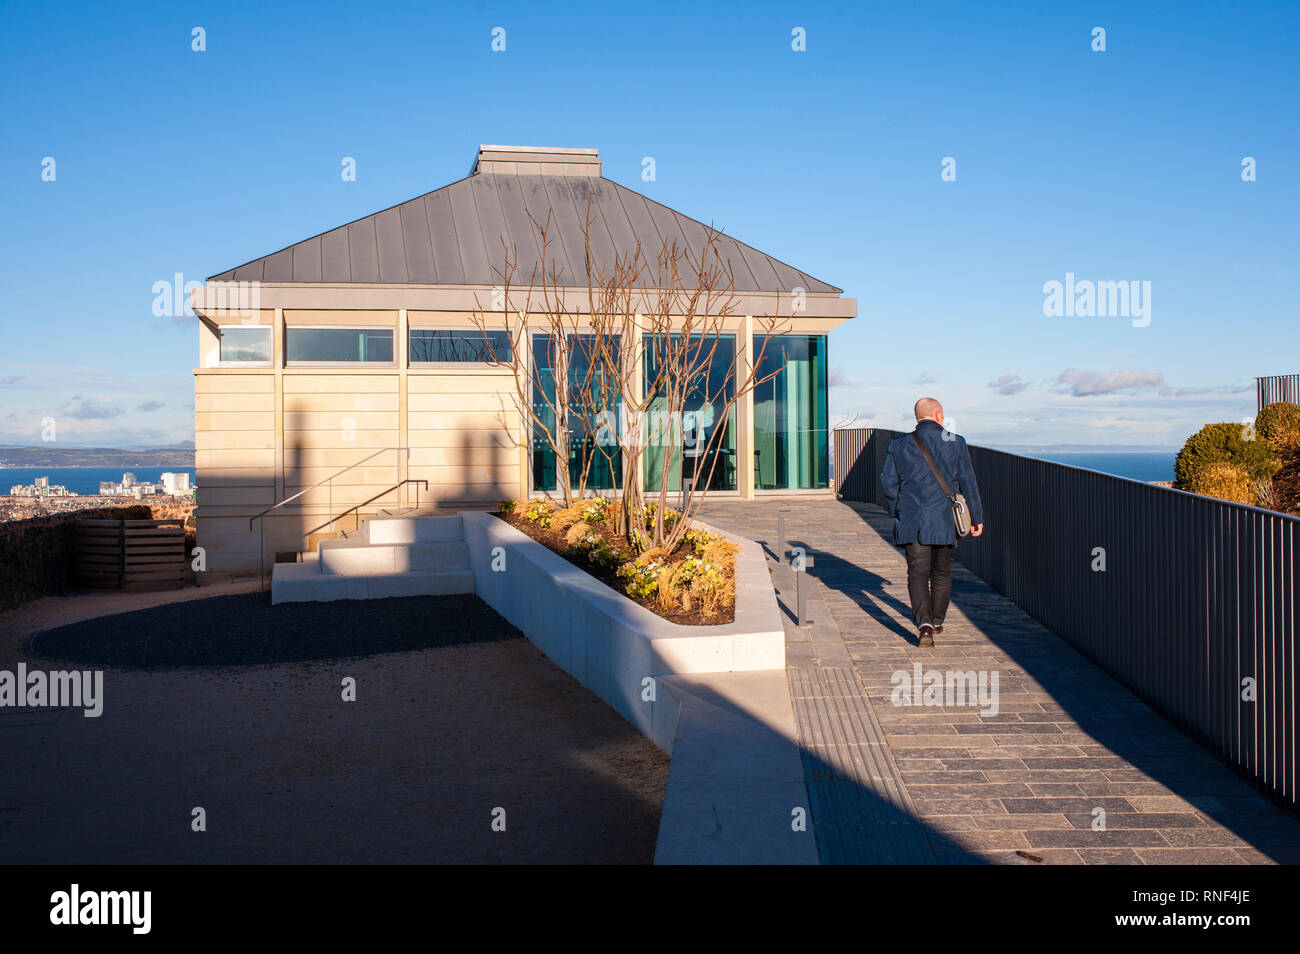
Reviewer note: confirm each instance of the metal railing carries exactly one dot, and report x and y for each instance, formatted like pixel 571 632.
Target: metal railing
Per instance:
pixel 261 534
pixel 1279 387
pixel 857 463
pixel 356 508
pixel 1189 601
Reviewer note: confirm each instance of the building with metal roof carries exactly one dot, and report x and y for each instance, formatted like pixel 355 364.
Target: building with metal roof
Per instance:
pixel 455 235
pixel 341 375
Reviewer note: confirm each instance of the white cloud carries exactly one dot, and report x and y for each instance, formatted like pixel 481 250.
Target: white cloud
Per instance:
pixel 89 409
pixel 1009 384
pixel 1086 383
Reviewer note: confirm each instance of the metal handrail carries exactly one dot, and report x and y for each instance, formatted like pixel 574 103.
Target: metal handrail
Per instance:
pixel 357 507
pixel 261 531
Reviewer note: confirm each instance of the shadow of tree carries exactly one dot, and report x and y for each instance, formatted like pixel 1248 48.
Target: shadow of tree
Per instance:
pixel 863 587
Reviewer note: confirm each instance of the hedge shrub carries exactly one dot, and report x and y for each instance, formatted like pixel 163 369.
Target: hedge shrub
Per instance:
pixel 1224 444
pixel 1279 425
pixel 1224 480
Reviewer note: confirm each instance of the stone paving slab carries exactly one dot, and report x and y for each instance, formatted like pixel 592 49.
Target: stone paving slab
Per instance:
pixel 1068 742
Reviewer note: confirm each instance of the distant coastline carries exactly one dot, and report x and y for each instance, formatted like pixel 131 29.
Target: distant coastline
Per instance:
pixel 1033 450
pixel 178 456
pixel 84 481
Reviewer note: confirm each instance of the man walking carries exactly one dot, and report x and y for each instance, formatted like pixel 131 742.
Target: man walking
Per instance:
pixel 923 523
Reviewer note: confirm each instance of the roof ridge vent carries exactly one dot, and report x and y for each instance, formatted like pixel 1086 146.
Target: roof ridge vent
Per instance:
pixel 537 161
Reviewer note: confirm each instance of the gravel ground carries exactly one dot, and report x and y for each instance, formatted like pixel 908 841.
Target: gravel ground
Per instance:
pixel 456 716
pixel 247 630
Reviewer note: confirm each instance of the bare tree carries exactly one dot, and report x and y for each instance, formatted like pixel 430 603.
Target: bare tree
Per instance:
pixel 545 333
pixel 660 361
pixel 691 377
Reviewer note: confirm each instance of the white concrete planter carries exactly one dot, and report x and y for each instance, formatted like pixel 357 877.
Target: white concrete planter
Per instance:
pixel 714 697
pixel 611 644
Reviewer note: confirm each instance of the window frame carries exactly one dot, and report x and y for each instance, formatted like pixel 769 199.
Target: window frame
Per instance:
pixel 411 363
pixel 822 446
pixel 288 363
pixel 270 359
pixel 732 437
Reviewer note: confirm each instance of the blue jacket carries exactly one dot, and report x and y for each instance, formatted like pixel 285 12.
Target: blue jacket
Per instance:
pixel 922 514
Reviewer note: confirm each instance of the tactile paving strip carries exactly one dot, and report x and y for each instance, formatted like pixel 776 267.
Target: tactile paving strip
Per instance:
pixel 860 808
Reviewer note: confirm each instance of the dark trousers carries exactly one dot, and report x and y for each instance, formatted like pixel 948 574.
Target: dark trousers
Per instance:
pixel 929 582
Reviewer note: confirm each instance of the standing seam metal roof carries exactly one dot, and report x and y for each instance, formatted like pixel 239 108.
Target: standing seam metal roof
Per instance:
pixel 453 236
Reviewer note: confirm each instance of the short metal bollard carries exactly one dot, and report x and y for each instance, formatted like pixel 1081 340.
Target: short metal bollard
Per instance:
pixel 800 563
pixel 780 537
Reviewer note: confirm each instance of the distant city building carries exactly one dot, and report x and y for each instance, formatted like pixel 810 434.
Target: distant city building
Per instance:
pixel 176 484
pixel 41 488
pixel 129 487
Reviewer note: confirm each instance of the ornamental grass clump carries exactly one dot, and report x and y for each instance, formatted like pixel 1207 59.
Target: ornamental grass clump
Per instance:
pixel 705 582
pixel 581 537
pixel 715 585
pixel 564 518
pixel 700 540
pixel 653 555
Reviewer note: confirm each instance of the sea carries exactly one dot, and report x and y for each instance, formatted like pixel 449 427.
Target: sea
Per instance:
pixel 1136 466
pixel 85 480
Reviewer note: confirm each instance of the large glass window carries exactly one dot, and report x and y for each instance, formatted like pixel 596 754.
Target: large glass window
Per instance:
pixel 338 345
pixel 463 344
pixel 790 435
pixel 245 344
pixel 594 410
pixel 691 449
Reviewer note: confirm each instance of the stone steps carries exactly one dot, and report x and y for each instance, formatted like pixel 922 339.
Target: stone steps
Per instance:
pixel 392 555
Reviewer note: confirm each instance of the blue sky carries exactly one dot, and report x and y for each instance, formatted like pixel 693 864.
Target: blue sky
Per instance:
pixel 1123 165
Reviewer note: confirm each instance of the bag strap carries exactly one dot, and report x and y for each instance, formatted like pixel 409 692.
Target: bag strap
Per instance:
pixel 925 451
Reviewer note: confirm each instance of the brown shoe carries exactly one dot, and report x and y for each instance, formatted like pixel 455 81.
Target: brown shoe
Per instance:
pixel 938 629
pixel 926 636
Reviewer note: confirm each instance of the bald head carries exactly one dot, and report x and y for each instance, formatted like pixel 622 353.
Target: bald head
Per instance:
pixel 928 409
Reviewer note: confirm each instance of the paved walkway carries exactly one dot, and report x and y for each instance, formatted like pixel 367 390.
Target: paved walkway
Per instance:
pixel 1072 769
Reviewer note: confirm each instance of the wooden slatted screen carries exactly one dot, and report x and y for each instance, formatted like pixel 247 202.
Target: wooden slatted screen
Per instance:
pixel 131 554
